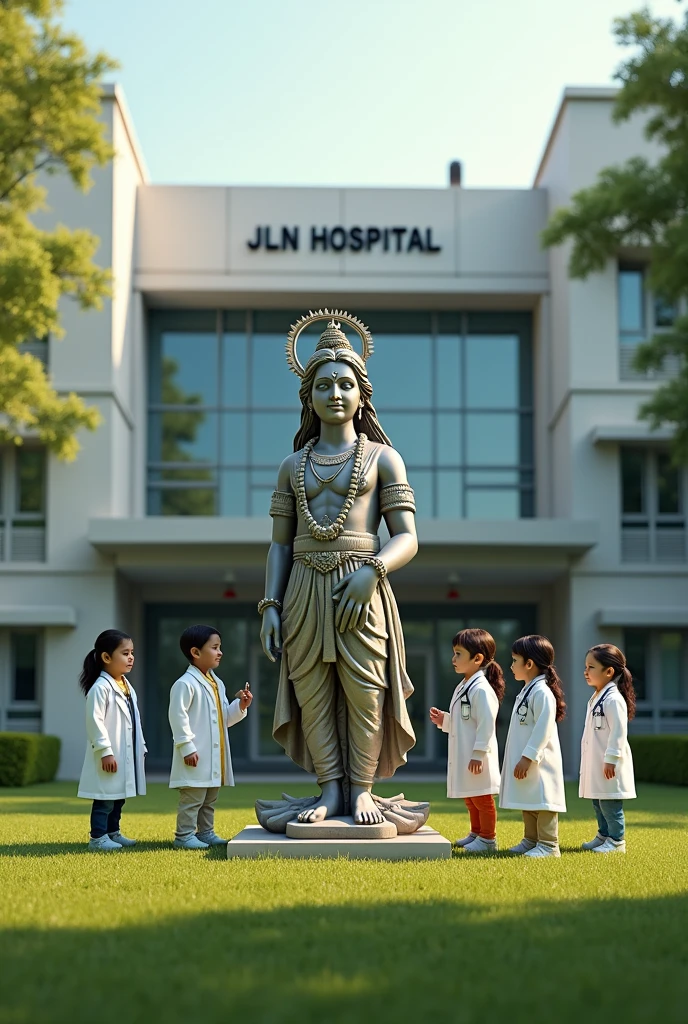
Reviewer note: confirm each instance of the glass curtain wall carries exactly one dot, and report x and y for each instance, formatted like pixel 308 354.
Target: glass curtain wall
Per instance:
pixel 428 632
pixel 453 392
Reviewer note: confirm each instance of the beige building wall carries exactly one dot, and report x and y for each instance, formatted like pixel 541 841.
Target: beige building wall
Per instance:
pixel 589 394
pixel 186 246
pixel 100 357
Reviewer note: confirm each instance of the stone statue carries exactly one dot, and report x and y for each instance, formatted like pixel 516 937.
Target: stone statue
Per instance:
pixel 329 609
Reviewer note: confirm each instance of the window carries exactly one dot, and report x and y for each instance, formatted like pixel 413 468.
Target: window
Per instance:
pixel 22 504
pixel 658 661
pixel 37 347
pixel 24 673
pixel 641 315
pixel 20 680
pixel 452 391
pixel 428 632
pixel 653 527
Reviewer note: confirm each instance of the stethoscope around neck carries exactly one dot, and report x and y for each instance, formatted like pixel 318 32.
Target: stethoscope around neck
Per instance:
pixel 523 705
pixel 464 700
pixel 598 708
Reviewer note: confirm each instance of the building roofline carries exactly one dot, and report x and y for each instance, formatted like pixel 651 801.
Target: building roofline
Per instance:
pixel 113 91
pixel 586 93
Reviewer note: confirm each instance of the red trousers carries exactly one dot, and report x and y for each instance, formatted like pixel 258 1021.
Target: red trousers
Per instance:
pixel 483 815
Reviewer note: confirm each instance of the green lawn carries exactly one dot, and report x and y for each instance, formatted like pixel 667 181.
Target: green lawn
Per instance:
pixel 156 934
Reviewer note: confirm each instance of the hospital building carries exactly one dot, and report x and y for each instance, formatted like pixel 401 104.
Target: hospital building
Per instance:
pixel 544 504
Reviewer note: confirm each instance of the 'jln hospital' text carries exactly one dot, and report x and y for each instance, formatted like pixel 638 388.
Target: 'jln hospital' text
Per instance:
pixel 337 239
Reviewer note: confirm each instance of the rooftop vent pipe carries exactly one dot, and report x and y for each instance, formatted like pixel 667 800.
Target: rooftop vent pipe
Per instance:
pixel 455 173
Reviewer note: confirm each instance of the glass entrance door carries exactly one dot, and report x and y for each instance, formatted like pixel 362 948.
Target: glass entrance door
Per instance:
pixel 428 632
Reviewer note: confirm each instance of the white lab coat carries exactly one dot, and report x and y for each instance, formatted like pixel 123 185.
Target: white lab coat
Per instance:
pixel 608 743
pixel 195 728
pixel 473 737
pixel 538 738
pixel 110 731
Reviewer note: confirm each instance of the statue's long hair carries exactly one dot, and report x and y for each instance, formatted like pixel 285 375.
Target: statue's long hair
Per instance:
pixel 310 422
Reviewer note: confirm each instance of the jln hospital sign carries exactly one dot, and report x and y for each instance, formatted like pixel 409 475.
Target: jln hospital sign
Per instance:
pixel 355 239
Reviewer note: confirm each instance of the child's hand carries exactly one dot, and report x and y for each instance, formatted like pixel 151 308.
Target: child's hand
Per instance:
pixel 609 770
pixel 436 716
pixel 521 769
pixel 475 766
pixel 191 759
pixel 245 698
pixel 109 764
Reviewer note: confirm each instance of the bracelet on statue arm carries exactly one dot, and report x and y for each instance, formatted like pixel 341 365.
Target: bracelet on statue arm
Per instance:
pixel 269 602
pixel 378 565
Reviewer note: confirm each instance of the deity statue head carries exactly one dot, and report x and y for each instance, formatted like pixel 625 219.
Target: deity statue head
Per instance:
pixel 334 347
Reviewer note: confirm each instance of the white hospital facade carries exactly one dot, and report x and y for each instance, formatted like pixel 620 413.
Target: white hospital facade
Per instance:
pixel 544 505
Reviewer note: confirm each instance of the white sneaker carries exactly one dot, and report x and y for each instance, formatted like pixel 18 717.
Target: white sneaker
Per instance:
pixel 594 843
pixel 611 846
pixel 466 840
pixel 525 846
pixel 190 843
pixel 543 850
pixel 121 840
pixel 103 845
pixel 480 845
pixel 211 839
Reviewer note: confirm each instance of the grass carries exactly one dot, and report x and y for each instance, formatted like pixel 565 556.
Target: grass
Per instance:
pixel 159 934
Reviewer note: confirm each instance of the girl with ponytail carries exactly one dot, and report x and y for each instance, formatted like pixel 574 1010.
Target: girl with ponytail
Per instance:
pixel 113 765
pixel 606 773
pixel 472 762
pixel 532 771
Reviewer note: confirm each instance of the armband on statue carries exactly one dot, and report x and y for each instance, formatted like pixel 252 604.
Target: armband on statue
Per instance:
pixel 397 497
pixel 283 503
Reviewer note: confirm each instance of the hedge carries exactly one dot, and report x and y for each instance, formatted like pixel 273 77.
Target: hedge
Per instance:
pixel 660 759
pixel 27 757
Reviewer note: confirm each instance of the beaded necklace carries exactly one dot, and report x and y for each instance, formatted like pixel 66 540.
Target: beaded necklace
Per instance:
pixel 332 531
pixel 332 460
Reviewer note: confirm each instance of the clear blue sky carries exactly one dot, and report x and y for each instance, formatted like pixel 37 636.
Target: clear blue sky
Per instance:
pixel 357 92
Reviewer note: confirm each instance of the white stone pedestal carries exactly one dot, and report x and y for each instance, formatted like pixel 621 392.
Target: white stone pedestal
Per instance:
pixel 255 841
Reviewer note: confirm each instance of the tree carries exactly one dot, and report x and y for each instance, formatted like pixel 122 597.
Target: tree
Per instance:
pixel 643 205
pixel 49 105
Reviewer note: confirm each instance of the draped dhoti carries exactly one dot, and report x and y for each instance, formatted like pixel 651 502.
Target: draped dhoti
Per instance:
pixel 341 701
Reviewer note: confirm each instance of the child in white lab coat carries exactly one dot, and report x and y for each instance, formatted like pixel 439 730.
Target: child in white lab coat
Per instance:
pixel 472 759
pixel 532 770
pixel 606 771
pixel 114 767
pixel 200 715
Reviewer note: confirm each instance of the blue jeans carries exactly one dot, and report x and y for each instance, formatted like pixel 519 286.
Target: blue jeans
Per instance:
pixel 105 815
pixel 610 818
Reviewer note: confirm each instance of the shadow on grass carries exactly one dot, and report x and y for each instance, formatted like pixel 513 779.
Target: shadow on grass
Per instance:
pixel 387 962
pixel 34 850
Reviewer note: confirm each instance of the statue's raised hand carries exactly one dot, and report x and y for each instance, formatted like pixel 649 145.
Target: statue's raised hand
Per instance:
pixel 353 593
pixel 271 632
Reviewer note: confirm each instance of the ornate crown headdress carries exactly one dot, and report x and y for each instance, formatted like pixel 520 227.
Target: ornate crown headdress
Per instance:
pixel 332 337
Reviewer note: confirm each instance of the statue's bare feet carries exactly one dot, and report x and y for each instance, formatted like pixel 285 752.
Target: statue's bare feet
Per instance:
pixel 363 807
pixel 329 804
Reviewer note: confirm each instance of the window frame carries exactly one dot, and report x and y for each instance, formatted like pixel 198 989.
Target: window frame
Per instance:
pixel 25 705
pixel 657 710
pixel 442 620
pixel 20 715
pixel 11 518
pixel 649 327
pixel 463 325
pixel 652 520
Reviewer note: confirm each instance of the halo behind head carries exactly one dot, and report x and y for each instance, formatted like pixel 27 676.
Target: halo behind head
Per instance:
pixel 333 336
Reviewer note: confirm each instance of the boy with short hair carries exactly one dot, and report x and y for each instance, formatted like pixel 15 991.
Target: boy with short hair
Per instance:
pixel 200 715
